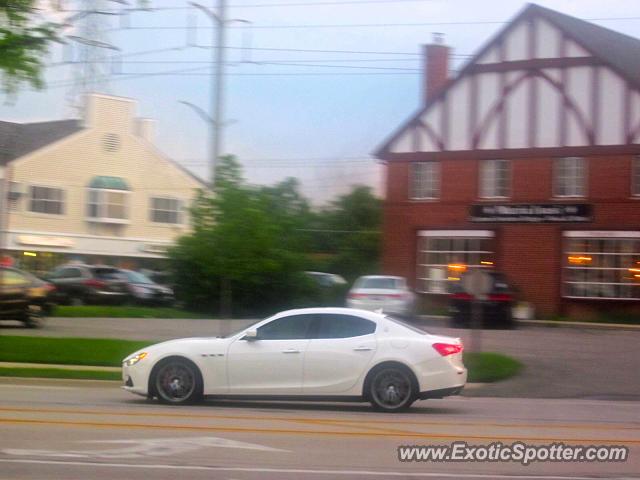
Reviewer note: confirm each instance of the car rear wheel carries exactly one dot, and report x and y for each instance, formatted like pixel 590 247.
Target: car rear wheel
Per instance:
pixel 391 389
pixel 177 381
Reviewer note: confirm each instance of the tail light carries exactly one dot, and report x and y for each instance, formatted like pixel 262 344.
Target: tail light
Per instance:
pixel 49 287
pixel 445 349
pixel 92 282
pixel 356 296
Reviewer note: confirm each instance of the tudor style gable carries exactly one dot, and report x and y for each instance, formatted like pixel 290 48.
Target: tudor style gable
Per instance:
pixel 546 80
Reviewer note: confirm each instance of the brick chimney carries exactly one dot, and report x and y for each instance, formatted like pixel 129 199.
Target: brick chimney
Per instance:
pixel 436 66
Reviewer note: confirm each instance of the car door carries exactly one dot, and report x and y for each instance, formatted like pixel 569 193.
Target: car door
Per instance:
pixel 13 287
pixel 339 353
pixel 272 363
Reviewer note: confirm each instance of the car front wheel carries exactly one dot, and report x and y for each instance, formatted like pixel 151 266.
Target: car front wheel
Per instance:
pixel 391 389
pixel 177 381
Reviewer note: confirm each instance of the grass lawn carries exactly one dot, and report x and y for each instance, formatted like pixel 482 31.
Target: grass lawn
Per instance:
pixel 67 351
pixel 123 311
pixel 486 367
pixel 28 372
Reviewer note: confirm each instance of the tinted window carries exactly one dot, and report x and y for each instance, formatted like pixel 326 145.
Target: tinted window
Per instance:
pixel 107 274
pixel 286 328
pixel 342 326
pixel 70 273
pixel 378 282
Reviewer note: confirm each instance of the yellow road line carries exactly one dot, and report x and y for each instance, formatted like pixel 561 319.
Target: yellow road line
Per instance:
pixel 363 421
pixel 67 423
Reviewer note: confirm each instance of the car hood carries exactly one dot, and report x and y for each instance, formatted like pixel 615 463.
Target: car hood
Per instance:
pixel 185 346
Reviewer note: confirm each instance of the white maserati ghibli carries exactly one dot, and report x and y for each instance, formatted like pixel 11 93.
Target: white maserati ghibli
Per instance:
pixel 336 354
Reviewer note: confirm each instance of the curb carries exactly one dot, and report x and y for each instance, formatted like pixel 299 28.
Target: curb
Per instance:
pixel 58 366
pixel 442 321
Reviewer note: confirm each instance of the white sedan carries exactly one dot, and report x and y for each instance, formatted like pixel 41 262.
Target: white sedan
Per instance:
pixel 337 354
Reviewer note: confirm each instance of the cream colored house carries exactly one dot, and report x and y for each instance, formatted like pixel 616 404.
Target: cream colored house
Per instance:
pixel 93 190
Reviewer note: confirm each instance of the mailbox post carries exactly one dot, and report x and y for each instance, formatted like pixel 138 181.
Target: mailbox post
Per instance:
pixel 478 284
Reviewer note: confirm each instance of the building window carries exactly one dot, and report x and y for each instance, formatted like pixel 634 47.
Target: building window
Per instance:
pixel 46 200
pixel 166 210
pixel 495 178
pixel 569 177
pixel 442 259
pixel 635 176
pixel 424 180
pixel 108 205
pixel 602 268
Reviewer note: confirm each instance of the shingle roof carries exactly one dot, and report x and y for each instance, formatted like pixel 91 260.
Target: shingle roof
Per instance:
pixel 620 51
pixel 18 139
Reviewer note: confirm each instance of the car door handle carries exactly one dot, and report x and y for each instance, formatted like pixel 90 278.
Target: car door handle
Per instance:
pixel 363 349
pixel 291 350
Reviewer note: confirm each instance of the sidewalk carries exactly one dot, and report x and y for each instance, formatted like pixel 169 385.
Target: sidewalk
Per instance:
pixel 442 321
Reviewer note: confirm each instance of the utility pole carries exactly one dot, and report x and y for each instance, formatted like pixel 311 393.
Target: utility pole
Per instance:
pixel 216 117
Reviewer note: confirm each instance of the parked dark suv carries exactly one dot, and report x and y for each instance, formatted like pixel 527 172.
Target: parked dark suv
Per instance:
pixel 496 309
pixel 23 297
pixel 78 284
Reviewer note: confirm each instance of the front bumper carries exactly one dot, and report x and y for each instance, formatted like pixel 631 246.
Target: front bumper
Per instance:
pixel 135 380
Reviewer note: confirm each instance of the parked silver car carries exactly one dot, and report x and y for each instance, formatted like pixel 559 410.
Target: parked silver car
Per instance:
pixel 379 292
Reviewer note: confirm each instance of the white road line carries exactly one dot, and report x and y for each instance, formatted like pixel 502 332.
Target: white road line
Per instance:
pixel 299 471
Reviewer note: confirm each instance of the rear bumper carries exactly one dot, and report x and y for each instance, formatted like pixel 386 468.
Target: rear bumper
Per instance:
pixel 440 393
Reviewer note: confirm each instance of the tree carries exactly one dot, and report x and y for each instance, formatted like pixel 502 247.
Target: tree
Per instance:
pixel 244 255
pixel 349 230
pixel 23 43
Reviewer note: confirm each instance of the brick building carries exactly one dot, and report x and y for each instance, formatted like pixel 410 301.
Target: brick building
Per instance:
pixel 528 161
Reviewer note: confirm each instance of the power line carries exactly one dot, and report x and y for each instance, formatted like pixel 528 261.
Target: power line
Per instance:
pixel 361 25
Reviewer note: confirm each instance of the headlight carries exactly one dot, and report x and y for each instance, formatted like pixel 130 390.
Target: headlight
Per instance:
pixel 135 359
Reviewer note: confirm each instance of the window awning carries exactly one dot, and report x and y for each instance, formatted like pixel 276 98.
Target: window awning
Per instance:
pixel 108 183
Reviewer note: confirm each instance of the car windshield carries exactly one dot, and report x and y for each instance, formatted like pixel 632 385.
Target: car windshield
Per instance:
pixel 137 277
pixel 388 283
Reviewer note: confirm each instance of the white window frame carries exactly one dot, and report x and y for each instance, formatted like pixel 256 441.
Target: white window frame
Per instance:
pixel 635 176
pixel 570 169
pixel 424 180
pixel 180 211
pixel 605 272
pixel 490 170
pixel 62 201
pixel 438 286
pixel 103 215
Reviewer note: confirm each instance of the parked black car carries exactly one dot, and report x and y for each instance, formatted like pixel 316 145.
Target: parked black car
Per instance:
pixel 143 290
pixel 24 297
pixel 78 284
pixel 496 309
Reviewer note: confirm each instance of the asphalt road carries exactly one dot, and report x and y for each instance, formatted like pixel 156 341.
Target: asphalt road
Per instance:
pixel 93 430
pixel 559 362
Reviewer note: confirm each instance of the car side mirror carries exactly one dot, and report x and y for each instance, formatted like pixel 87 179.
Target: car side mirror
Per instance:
pixel 251 335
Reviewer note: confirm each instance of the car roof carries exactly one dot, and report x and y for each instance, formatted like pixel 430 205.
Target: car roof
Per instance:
pixel 335 310
pixel 383 276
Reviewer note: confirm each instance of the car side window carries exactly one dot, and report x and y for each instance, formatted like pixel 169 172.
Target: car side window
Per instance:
pixel 342 326
pixel 70 273
pixel 11 278
pixel 286 328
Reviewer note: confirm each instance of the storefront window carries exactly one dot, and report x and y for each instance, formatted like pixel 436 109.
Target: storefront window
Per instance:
pixel 602 268
pixel 444 259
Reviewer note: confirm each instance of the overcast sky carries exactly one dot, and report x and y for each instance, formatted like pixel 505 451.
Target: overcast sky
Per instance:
pixel 319 123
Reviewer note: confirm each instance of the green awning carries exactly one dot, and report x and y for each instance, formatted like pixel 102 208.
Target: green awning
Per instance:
pixel 109 183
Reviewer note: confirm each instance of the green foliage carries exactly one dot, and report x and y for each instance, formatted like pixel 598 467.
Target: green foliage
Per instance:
pixel 250 246
pixel 244 256
pixel 23 43
pixel 67 351
pixel 349 233
pixel 485 367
